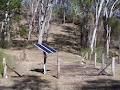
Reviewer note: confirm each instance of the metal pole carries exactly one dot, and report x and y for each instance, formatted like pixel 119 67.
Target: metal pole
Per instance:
pixel 44 67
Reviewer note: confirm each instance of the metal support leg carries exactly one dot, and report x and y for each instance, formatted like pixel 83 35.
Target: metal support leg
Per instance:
pixel 44 67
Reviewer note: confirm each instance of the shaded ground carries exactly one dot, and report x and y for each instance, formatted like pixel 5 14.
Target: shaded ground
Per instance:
pixel 65 38
pixel 74 75
pixel 30 83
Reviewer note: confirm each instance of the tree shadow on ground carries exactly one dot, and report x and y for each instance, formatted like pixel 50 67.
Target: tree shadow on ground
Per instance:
pixel 29 83
pixel 77 70
pixel 22 44
pixel 101 84
pixel 67 42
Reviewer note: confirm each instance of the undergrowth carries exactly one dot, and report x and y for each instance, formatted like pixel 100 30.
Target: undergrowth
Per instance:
pixel 85 52
pixel 9 60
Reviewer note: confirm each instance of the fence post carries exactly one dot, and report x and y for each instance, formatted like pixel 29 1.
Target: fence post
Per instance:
pixel 103 60
pixel 95 59
pixel 58 71
pixel 4 69
pixel 113 66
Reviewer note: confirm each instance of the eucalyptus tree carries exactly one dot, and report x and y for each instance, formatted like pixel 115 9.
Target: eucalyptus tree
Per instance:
pixel 31 9
pixel 39 14
pixel 83 10
pixel 74 8
pixel 106 9
pixel 109 11
pixel 99 7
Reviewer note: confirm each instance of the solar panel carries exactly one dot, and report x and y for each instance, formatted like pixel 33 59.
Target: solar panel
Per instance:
pixel 45 48
pixel 51 49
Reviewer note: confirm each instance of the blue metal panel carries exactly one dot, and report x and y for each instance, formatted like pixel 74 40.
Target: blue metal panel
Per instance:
pixel 51 49
pixel 43 48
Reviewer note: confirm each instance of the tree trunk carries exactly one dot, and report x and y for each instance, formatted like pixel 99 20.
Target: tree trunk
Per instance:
pixel 33 12
pixel 119 42
pixel 64 16
pixel 98 12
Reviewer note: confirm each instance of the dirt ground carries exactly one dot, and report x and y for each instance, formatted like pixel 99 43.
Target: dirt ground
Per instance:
pixel 74 75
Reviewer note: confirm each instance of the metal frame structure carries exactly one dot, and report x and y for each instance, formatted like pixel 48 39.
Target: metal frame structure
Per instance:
pixel 46 50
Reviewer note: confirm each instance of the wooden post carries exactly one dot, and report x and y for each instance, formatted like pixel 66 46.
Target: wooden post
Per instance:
pixel 113 66
pixel 86 56
pixel 44 67
pixel 95 59
pixel 58 67
pixel 103 61
pixel 5 68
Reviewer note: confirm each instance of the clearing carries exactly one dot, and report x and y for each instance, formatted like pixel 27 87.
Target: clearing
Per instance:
pixel 74 75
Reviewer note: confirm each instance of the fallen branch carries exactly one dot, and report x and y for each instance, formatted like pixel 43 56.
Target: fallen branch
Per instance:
pixel 14 70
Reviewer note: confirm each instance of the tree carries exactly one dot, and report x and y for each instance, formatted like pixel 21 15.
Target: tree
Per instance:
pixel 8 8
pixel 108 13
pixel 39 14
pixel 99 6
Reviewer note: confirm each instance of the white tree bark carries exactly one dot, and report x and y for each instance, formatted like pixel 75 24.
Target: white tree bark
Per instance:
pixel 111 10
pixel 33 9
pixel 108 28
pixel 98 12
pixel 44 20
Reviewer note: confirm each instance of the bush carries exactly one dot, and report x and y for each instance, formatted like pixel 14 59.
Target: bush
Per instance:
pixel 10 60
pixel 23 31
pixel 98 50
pixel 17 18
pixel 4 44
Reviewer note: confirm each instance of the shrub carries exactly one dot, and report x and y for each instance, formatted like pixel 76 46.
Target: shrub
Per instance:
pixel 10 60
pixel 23 31
pixel 98 50
pixel 17 18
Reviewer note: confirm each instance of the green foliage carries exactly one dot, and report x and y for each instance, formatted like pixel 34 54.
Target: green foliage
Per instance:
pixel 4 44
pixel 17 18
pixel 114 22
pixel 99 52
pixel 87 3
pixel 58 13
pixel 11 5
pixel 23 31
pixel 2 4
pixel 10 60
pixel 84 52
pixel 15 5
pixel 74 7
